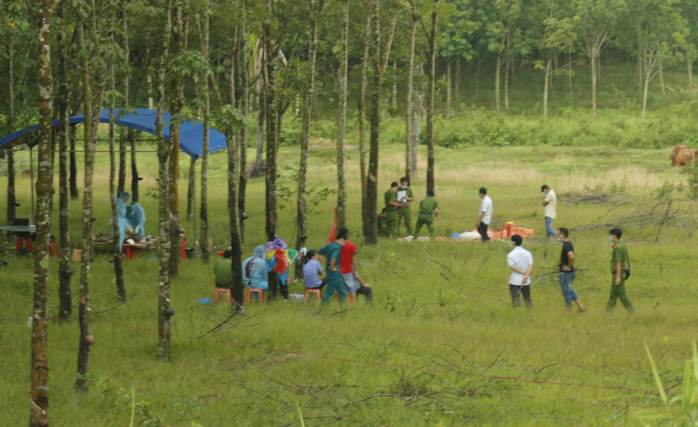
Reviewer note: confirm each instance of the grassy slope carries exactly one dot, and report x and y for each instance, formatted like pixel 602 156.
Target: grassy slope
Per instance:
pixel 423 316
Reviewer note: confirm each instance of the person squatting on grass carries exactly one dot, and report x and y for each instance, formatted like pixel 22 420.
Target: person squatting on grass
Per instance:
pixel 520 261
pixel 332 253
pixel 391 206
pixel 383 224
pixel 348 268
pixel 404 212
pixel 312 270
pixel 550 210
pixel 485 218
pixel 567 273
pixel 428 211
pixel 620 271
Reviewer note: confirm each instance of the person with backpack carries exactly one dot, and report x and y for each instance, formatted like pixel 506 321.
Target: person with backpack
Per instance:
pixel 620 271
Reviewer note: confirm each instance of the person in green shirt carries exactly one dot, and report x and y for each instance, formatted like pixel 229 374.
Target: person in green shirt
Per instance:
pixel 404 212
pixel 224 271
pixel 391 206
pixel 383 224
pixel 332 254
pixel 428 210
pixel 619 265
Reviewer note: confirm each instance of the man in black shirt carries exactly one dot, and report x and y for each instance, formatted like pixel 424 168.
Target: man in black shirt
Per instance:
pixel 567 273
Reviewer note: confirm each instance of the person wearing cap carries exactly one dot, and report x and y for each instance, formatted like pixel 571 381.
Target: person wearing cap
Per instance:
pixel 485 218
pixel 550 204
pixel 391 206
pixel 428 210
pixel 404 212
pixel 520 261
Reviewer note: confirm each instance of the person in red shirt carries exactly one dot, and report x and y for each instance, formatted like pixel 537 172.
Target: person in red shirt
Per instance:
pixel 349 270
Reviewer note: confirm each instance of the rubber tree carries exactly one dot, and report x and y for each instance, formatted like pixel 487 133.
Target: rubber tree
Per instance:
pixel 242 95
pixel 431 184
pixel 342 115
pixel 44 190
pixel 204 39
pixel 271 53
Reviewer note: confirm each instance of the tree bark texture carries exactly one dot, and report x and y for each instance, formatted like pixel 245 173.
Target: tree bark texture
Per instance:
pixel 301 217
pixel 124 132
pixel 271 52
pixel 191 190
pixel 370 222
pixel 65 272
pixel 410 88
pixel 44 190
pixel 233 173
pixel 164 149
pixel 430 97
pixel 134 168
pixel 73 180
pixel 361 104
pixel 342 120
pixel 11 196
pixel 243 96
pixel 203 213
pixel 118 268
pixel 546 89
pixel 261 121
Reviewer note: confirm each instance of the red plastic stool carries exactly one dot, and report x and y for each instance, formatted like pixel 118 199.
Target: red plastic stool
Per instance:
pixel 184 249
pixel 510 227
pixel 52 250
pixel 218 292
pixel 259 292
pixel 26 243
pixel 129 252
pixel 308 291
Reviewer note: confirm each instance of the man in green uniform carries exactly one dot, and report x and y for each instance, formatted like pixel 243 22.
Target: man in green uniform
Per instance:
pixel 619 267
pixel 428 210
pixel 332 253
pixel 404 212
pixel 224 271
pixel 383 224
pixel 391 206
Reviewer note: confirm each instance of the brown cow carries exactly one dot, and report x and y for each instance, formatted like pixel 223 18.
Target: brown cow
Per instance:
pixel 682 156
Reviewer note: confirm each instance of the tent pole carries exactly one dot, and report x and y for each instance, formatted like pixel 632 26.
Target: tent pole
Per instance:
pixel 31 177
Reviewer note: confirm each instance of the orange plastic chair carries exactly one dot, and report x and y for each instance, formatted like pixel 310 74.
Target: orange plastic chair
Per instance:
pixel 52 250
pixel 317 292
pixel 25 242
pixel 218 292
pixel 259 292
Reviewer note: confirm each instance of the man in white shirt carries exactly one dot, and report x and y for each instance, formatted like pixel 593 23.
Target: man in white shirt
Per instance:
pixel 550 203
pixel 485 218
pixel 520 261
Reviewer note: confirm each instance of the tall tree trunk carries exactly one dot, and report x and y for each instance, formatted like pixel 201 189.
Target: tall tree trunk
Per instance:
pixel 661 78
pixel 118 268
pixel 44 190
pixel 431 183
pixel 361 104
pixel 65 273
pixel 11 196
pixel 261 120
pixel 648 72
pixel 243 97
pixel 457 88
pixel 93 92
pixel 448 89
pixel 233 173
pixel 164 149
pixel 370 223
pixel 498 66
pixel 394 92
pixel 689 63
pixel 341 122
pixel 134 168
pixel 506 82
pixel 546 88
pixel 410 88
pixel 73 180
pixel 593 86
pixel 191 190
pixel 417 114
pixel 272 209
pixel 125 92
pixel 301 218
pixel 177 103
pixel 569 74
pixel 203 213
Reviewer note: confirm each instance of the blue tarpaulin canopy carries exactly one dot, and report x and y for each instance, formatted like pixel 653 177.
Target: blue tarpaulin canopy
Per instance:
pixel 191 139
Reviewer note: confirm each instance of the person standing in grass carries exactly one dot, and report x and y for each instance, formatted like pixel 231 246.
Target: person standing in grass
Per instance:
pixel 485 218
pixel 620 270
pixel 391 206
pixel 382 224
pixel 428 211
pixel 404 212
pixel 332 254
pixel 520 261
pixel 567 273
pixel 349 270
pixel 550 210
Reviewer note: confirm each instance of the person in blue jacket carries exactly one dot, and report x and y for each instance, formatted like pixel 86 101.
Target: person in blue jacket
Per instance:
pixel 255 276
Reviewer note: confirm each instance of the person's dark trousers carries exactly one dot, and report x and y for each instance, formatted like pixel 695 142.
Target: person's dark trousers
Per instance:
pixel 283 287
pixel 367 292
pixel 515 291
pixel 482 229
pixel 322 284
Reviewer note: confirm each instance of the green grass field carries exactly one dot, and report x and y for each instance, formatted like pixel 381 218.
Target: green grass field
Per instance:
pixel 439 306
